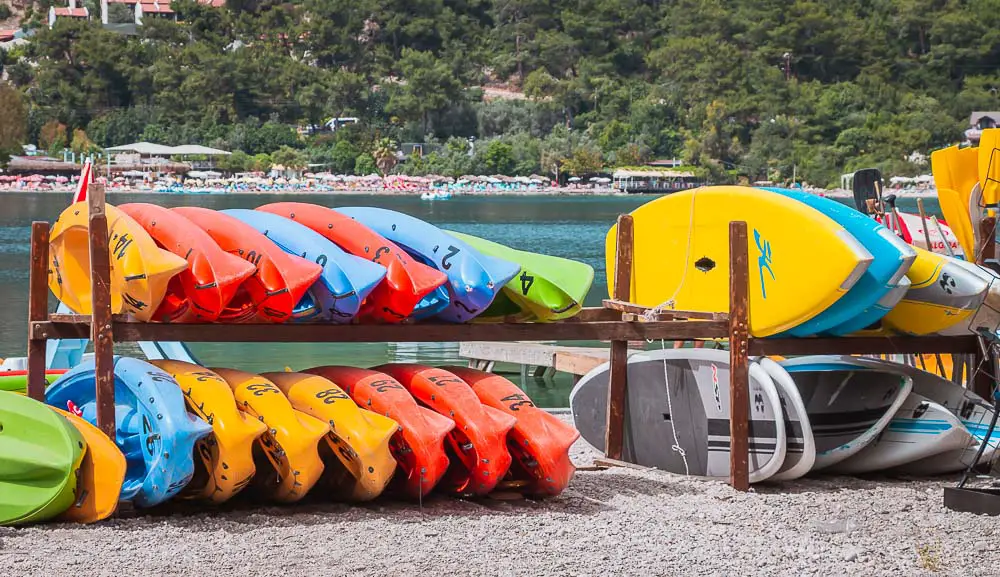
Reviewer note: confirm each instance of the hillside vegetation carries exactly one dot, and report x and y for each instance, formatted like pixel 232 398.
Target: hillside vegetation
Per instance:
pixel 746 88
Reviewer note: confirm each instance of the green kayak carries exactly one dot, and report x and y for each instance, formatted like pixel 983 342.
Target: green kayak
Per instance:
pixel 17 381
pixel 548 288
pixel 40 454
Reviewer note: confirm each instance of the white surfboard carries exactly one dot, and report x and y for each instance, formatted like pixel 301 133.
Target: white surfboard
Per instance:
pixel 920 429
pixel 801 453
pixel 683 391
pixel 848 406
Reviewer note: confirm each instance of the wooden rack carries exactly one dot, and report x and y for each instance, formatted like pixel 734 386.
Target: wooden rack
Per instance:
pixel 617 321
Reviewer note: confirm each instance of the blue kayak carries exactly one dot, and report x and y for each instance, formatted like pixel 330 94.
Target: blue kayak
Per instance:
pixel 153 428
pixel 881 286
pixel 474 279
pixel 346 280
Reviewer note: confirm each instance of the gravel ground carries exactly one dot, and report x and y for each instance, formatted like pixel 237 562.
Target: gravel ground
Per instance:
pixel 610 522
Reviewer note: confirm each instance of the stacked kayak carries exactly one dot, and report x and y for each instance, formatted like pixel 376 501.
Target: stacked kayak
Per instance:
pixel 333 433
pixel 299 262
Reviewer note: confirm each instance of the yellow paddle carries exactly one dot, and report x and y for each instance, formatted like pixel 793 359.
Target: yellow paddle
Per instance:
pixel 945 166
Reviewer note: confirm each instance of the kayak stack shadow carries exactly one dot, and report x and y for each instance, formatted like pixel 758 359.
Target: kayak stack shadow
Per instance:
pixel 330 433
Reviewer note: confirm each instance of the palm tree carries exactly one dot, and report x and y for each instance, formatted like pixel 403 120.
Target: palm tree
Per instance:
pixel 384 154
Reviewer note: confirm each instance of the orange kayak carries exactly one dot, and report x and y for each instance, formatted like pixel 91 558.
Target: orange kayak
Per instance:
pixel 407 281
pixel 479 440
pixel 419 445
pixel 280 279
pixel 202 291
pixel 539 441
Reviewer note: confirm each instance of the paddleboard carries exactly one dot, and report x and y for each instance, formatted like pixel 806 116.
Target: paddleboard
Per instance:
pixel 677 414
pixel 346 280
pixel 410 286
pixel 223 459
pixel 40 454
pixel 478 455
pixel 848 406
pixel 539 442
pixel 287 454
pixel 358 440
pixel 873 295
pixel 152 427
pixel 681 255
pixel 989 166
pixel 942 294
pixel 800 453
pixel 474 279
pixel 17 381
pixel 418 447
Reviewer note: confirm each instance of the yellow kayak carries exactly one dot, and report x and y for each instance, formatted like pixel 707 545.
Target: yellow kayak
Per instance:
pixel 290 446
pixel 100 476
pixel 942 294
pixel 358 438
pixel 140 270
pixel 224 461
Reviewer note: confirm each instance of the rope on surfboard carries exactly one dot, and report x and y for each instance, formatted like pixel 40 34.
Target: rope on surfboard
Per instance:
pixel 670 409
pixel 652 314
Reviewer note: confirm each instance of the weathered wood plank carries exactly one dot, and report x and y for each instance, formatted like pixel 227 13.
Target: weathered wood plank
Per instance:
pixel 618 385
pixel 863 345
pixel 101 325
pixel 38 308
pixel 739 366
pixel 987 249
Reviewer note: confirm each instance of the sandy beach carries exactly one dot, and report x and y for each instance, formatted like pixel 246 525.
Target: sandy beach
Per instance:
pixel 608 522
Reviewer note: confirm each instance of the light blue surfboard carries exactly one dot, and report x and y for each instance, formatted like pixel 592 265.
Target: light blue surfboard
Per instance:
pixel 346 279
pixel 474 279
pixel 881 286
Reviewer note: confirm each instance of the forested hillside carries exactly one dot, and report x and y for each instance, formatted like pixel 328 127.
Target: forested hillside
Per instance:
pixel 739 87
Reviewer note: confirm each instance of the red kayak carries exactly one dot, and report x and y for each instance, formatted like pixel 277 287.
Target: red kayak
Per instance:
pixel 280 279
pixel 419 445
pixel 539 441
pixel 406 281
pixel 203 290
pixel 479 439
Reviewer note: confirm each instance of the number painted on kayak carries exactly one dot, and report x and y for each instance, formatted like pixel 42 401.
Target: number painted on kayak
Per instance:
pixel 330 396
pixel 464 307
pixel 321 260
pixel 202 376
pixel 260 389
pixel 452 251
pixel 517 400
pixel 254 258
pixel 121 245
pixel 445 380
pixel 380 252
pixel 383 385
pixel 526 281
pixel 132 302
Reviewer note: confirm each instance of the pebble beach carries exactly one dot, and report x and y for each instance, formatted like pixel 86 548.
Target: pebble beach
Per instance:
pixel 608 522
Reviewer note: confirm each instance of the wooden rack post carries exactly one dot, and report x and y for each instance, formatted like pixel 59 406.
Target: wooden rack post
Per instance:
pixel 100 325
pixel 618 379
pixel 38 308
pixel 739 363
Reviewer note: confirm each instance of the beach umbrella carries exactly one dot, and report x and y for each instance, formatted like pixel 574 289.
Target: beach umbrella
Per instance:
pixel 573 179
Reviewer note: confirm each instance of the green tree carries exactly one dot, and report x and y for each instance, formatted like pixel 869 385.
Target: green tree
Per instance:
pixel 289 158
pixel 385 155
pixel 343 157
pixel 13 123
pixel 499 158
pixel 238 161
pixel 429 86
pixel 365 164
pixel 53 137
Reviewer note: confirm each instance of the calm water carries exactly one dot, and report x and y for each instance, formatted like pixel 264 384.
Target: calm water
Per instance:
pixel 560 226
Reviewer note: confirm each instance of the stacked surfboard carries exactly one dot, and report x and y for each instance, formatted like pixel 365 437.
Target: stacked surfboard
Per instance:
pixel 213 435
pixel 829 414
pixel 817 266
pixel 302 262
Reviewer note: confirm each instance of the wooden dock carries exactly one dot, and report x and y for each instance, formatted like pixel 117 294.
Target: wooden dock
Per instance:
pixel 544 357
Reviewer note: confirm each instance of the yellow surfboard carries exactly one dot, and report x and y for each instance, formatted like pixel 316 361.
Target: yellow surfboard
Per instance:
pixel 801 262
pixel 223 460
pixel 989 165
pixel 942 294
pixel 100 476
pixel 140 270
pixel 358 438
pixel 289 447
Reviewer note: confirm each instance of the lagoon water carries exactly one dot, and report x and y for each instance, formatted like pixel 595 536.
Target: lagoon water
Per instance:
pixel 565 226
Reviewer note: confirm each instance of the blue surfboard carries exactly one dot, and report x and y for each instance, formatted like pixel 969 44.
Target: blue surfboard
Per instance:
pixel 346 279
pixel 474 279
pixel 153 428
pixel 881 286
